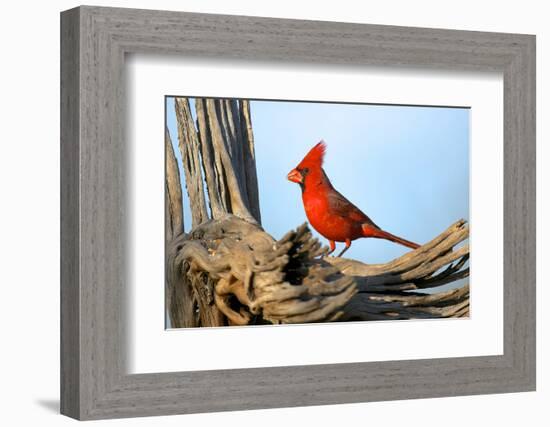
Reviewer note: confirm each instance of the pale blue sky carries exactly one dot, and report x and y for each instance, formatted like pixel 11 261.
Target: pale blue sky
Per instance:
pixel 406 167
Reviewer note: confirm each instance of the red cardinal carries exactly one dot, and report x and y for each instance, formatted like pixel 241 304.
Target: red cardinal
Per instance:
pixel 330 213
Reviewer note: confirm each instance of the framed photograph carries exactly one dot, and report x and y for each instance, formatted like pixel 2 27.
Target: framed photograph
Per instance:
pixel 261 213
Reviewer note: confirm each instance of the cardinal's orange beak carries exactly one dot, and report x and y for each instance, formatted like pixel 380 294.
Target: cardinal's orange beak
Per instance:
pixel 295 176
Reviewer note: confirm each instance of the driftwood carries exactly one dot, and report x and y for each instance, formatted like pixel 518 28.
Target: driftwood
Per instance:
pixel 228 271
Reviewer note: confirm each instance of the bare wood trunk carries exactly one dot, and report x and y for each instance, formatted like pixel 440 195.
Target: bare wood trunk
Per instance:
pixel 189 148
pixel 226 161
pixel 214 182
pixel 174 205
pixel 249 156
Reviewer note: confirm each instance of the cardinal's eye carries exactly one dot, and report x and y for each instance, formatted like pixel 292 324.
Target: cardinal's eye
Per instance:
pixel 305 171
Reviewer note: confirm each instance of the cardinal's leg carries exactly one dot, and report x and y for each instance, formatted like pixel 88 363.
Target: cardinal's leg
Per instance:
pixel 332 244
pixel 348 244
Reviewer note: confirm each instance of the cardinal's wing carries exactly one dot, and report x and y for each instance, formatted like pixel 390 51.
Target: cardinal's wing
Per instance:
pixel 341 206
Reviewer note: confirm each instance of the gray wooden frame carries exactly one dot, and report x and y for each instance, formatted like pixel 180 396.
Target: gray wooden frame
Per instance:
pixel 94 41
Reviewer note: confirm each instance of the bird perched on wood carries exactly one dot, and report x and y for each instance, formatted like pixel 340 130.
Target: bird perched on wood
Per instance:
pixel 330 213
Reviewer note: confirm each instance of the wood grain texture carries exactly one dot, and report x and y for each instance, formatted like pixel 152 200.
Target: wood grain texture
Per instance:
pixel 173 217
pixel 188 143
pixel 95 238
pixel 70 220
pixel 249 158
pixel 229 272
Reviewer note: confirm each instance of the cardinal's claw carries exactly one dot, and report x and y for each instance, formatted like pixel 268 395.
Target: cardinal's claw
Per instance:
pixel 348 244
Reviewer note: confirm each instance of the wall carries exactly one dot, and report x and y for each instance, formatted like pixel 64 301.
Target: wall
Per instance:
pixel 29 237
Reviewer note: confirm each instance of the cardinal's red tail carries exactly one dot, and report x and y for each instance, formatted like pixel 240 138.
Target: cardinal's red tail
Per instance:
pixel 381 234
